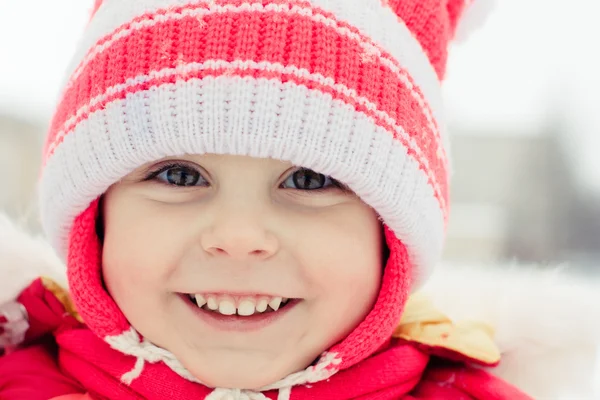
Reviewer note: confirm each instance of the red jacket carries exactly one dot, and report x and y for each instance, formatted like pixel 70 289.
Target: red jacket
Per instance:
pixel 426 359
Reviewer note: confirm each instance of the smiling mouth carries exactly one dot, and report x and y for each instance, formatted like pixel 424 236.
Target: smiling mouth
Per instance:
pixel 244 306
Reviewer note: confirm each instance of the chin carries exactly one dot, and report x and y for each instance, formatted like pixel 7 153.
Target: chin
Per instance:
pixel 235 372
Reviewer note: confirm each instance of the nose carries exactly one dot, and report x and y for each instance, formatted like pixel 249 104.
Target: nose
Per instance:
pixel 240 234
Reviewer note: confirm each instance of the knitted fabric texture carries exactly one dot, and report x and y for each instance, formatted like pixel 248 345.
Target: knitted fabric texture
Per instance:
pixel 348 88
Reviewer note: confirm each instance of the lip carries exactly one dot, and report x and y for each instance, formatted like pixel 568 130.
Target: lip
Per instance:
pixel 236 323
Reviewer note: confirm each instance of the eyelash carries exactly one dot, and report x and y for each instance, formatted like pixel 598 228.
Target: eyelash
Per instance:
pixel 334 184
pixel 152 175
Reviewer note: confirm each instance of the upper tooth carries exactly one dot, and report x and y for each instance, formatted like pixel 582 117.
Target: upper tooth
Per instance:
pixel 227 306
pixel 200 300
pixel 246 307
pixel 212 303
pixel 275 303
pixel 262 304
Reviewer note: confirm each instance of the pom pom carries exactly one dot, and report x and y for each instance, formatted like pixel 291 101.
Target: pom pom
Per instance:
pixel 97 4
pixel 474 16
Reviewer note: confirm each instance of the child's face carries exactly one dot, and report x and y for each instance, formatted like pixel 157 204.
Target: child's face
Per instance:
pixel 239 230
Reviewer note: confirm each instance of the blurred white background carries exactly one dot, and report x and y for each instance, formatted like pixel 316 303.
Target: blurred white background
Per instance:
pixel 521 95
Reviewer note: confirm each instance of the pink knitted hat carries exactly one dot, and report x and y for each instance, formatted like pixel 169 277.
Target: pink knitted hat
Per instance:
pixel 349 88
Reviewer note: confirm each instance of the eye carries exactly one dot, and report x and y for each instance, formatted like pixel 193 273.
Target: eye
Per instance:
pixel 179 175
pixel 307 179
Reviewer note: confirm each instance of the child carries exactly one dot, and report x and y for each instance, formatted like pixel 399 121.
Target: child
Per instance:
pixel 245 194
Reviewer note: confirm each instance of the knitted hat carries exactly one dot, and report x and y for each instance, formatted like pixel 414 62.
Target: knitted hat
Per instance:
pixel 348 88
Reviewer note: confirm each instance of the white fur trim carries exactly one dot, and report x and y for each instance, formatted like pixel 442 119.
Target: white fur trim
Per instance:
pixel 135 373
pixel 547 323
pixel 16 324
pixel 284 393
pixel 263 119
pixel 24 258
pixel 144 351
pixel 326 367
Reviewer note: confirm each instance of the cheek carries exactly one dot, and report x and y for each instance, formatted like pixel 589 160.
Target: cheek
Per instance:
pixel 346 253
pixel 344 270
pixel 138 255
